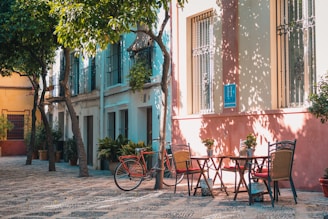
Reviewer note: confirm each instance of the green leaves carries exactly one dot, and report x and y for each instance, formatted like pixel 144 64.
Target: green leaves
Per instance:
pixel 5 125
pixel 319 107
pixel 139 75
pixel 84 25
pixel 26 35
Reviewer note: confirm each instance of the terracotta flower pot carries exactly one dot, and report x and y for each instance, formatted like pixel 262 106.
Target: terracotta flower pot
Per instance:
pixel 73 161
pixel 43 154
pixel 57 156
pixel 324 185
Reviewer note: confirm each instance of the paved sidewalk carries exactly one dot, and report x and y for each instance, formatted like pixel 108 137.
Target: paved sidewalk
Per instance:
pixel 33 192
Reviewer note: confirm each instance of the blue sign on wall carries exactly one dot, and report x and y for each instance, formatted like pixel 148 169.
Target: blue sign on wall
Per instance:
pixel 229 95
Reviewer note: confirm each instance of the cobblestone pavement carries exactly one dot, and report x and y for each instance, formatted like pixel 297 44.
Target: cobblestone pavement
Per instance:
pixel 33 192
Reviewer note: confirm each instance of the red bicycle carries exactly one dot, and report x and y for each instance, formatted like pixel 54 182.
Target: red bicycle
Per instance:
pixel 133 169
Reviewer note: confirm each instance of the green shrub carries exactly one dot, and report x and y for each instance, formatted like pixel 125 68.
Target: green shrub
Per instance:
pixel 109 149
pixel 5 125
pixel 319 100
pixel 129 148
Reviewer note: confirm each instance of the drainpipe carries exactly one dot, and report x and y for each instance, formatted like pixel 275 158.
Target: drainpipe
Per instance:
pixel 101 94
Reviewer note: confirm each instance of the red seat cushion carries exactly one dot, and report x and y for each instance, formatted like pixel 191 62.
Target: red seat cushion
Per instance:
pixel 191 169
pixel 261 175
pixel 232 168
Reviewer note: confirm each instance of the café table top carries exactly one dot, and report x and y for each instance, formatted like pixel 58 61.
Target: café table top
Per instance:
pixel 205 157
pixel 233 157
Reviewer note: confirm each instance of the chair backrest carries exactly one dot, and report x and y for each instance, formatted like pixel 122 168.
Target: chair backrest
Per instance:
pixel 288 145
pixel 281 164
pixel 181 156
pixel 281 159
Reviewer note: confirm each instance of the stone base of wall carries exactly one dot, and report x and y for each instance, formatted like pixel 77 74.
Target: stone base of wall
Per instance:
pixel 12 148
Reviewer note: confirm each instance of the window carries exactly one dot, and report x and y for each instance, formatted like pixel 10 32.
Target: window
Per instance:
pixel 296 51
pixel 111 125
pixel 93 74
pixel 88 77
pixel 114 64
pixel 75 74
pixel 61 73
pixel 202 62
pixel 18 131
pixel 124 123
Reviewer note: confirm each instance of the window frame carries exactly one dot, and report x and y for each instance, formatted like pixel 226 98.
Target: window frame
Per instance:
pixel 202 72
pixel 114 64
pixel 17 133
pixel 303 79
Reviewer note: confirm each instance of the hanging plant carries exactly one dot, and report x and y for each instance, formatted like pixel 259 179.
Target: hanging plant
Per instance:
pixel 139 75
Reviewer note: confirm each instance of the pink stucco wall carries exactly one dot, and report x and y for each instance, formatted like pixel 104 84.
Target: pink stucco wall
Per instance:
pixel 311 148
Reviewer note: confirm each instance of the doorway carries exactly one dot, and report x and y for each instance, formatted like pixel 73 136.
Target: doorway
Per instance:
pixel 90 140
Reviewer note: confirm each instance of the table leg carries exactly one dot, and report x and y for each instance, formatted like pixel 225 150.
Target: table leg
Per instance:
pixel 242 180
pixel 217 174
pixel 202 167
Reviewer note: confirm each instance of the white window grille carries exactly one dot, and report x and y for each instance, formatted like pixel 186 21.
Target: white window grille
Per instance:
pixel 202 64
pixel 296 51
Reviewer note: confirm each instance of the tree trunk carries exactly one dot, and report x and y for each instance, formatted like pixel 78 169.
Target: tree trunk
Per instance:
pixel 30 150
pixel 83 166
pixel 51 151
pixel 164 88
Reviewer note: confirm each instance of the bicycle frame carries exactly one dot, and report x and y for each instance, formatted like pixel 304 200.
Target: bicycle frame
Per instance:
pixel 133 169
pixel 140 157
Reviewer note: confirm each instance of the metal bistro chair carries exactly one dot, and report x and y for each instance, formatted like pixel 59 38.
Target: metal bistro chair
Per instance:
pixel 183 164
pixel 233 168
pixel 280 163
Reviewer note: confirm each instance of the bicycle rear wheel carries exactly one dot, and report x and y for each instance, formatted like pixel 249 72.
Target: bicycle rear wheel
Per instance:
pixel 128 175
pixel 170 173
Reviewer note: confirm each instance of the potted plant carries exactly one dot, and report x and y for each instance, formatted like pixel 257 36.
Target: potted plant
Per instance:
pixel 319 108
pixel 209 142
pixel 40 142
pixel 324 183
pixel 56 134
pixel 250 143
pixel 109 150
pixel 71 151
pixel 130 147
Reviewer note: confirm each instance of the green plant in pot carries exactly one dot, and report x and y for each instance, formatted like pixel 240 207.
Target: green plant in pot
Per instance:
pixel 319 108
pixel 324 183
pixel 209 142
pixel 130 147
pixel 71 151
pixel 250 143
pixel 56 134
pixel 109 151
pixel 40 141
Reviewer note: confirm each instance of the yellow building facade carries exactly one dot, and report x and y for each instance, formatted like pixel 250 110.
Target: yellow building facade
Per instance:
pixel 16 103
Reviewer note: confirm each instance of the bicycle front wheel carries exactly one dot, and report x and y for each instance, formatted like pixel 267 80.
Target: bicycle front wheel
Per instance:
pixel 128 175
pixel 169 178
